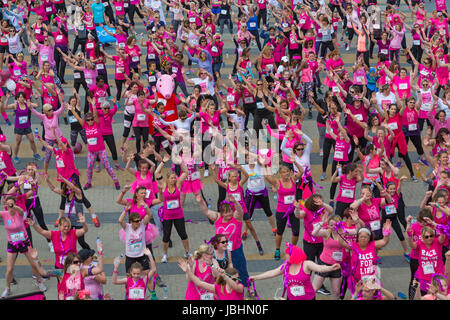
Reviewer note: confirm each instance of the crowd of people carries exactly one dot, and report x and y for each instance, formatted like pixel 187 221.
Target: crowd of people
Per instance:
pixel 287 63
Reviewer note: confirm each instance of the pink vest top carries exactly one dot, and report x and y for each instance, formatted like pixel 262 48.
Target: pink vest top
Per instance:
pixel 299 286
pixel 135 290
pixel 195 293
pixel 172 205
pixel 232 230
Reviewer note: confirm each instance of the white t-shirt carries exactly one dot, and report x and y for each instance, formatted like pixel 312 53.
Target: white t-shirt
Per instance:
pixel 381 99
pixel 256 178
pixel 209 85
pixel 239 120
pixel 134 241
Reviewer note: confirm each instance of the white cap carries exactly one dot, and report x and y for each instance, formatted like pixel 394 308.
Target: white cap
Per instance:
pixel 285 59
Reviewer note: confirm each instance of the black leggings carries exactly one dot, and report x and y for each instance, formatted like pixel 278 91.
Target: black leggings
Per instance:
pixel 262 15
pixel 422 122
pixel 37 211
pixel 140 132
pixel 340 208
pixel 327 145
pixel 413 266
pixel 222 196
pixel 79 42
pixel 395 224
pixel 324 46
pixel 281 223
pixel 264 201
pixel 407 160
pixel 81 240
pixel 158 143
pixel 60 63
pixel 77 84
pixel 180 226
pixel 249 109
pixel 257 121
pixel 256 34
pixel 109 139
pixel 417 142
pixel 119 85
pixel 126 129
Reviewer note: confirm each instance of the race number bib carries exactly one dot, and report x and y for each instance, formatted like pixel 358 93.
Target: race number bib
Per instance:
pixel 23 120
pixel 237 196
pixel 136 246
pixel 375 225
pixel 173 204
pixel 135 59
pixel 393 125
pixel 18 236
pixel 136 293
pixel 339 155
pixel 403 86
pixel 60 163
pixel 207 296
pixel 337 255
pixel 289 199
pixel 141 117
pixel 348 193
pixel 412 127
pixel 297 291
pixel 428 268
pixel 92 141
pixel 195 175
pixel 390 209
pixel 260 105
pixel 151 56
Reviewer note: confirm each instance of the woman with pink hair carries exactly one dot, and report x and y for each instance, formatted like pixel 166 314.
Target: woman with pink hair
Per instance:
pixel 296 271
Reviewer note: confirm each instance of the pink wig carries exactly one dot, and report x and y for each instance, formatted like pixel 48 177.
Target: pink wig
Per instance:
pixel 296 255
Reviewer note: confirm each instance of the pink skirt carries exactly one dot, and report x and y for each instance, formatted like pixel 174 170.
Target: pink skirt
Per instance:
pixel 194 186
pixel 151 233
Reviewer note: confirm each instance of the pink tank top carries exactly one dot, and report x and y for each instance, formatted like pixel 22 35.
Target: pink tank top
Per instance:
pixel 195 293
pixel 332 251
pixel 6 164
pixel 341 150
pixel 135 290
pixel 299 286
pixel 147 182
pixel 233 295
pixel 238 195
pixel 310 221
pixel 286 197
pixel 232 230
pixel 347 190
pixel 172 205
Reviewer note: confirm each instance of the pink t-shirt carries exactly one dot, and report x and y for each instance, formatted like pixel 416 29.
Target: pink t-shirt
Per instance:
pixel 65 164
pixel 233 295
pixel 430 260
pixel 94 137
pixel 370 214
pixel 365 261
pixel 121 68
pixel 232 230
pixel 341 150
pixel 195 293
pixel 309 223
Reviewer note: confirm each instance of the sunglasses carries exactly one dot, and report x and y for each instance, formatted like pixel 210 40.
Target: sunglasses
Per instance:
pixel 89 119
pixel 202 73
pixel 428 237
pixel 76 262
pixel 300 149
pixel 136 221
pixel 259 84
pixel 224 242
pixel 183 118
pixel 106 108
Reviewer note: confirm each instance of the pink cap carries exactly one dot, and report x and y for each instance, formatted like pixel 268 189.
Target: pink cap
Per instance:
pixel 64 140
pixel 2 138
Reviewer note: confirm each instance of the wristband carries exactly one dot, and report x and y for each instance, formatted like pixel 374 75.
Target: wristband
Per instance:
pixel 409 233
pixel 100 253
pixel 116 272
pixel 386 232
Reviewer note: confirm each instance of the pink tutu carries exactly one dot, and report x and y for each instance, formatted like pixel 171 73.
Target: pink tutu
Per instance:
pixel 151 233
pixel 194 186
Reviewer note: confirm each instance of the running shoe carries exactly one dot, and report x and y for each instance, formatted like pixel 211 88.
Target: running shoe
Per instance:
pixel 117 185
pixel 414 179
pixel 159 282
pixel 347 47
pixel 57 223
pixel 8 122
pixel 424 162
pixel 342 38
pixel 260 249
pixel 42 287
pixel 164 258
pixel 399 164
pixel 14 281
pixel 97 168
pixel 87 186
pixel 50 247
pixel 274 232
pixel 16 160
pixel 187 255
pixel 37 157
pixel 321 153
pixel 244 235
pixel 324 291
pixel 206 173
pixel 332 203
pixel 277 255
pixel 323 176
pixel 6 292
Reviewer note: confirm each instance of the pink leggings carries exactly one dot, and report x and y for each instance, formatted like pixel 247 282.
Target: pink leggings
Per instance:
pixel 102 155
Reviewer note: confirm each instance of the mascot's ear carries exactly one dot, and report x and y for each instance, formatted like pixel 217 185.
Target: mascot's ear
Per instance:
pixel 174 75
pixel 158 74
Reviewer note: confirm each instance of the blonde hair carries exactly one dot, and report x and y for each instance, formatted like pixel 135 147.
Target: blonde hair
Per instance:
pixel 204 248
pixel 47 107
pixel 63 220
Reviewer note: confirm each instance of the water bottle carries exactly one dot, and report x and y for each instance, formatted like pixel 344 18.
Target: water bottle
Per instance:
pixel 165 296
pixel 209 204
pixel 401 295
pixel 117 259
pixel 36 132
pixel 340 171
pixel 99 249
pixel 275 197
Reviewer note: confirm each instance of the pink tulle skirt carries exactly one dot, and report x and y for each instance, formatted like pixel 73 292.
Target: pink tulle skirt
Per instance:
pixel 151 233
pixel 194 186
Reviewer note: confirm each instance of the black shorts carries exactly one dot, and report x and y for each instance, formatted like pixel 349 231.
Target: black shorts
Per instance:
pixel 22 131
pixel 336 274
pixel 143 260
pixel 18 247
pixel 3 49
